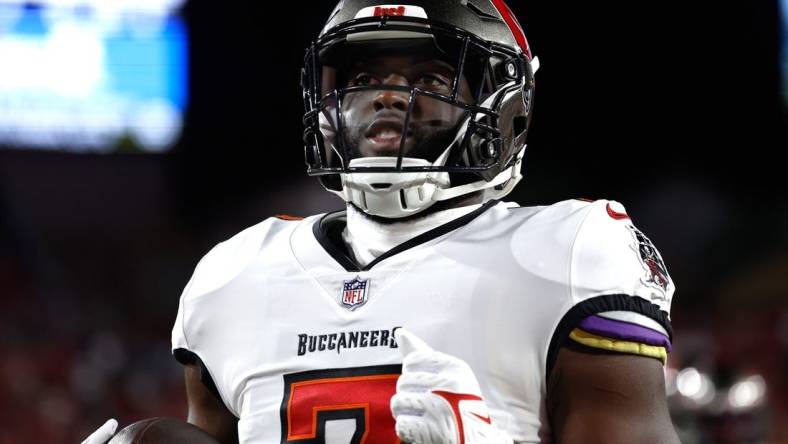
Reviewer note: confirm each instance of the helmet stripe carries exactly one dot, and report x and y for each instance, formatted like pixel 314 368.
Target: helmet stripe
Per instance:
pixel 514 26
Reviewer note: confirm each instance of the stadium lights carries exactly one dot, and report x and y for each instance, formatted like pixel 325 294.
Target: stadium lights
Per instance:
pixel 747 393
pixel 695 385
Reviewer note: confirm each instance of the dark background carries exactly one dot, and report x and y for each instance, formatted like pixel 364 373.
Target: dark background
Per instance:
pixel 672 108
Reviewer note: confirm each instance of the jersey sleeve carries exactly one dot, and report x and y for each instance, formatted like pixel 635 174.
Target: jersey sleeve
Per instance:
pixel 182 351
pixel 178 329
pixel 209 275
pixel 619 288
pixel 208 305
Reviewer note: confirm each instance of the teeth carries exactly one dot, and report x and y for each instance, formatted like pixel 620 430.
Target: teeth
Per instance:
pixel 387 134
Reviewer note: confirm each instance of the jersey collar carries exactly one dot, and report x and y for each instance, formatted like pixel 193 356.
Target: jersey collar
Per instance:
pixel 328 233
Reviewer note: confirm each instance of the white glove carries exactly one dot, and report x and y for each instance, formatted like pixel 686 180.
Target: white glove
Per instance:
pixel 438 399
pixel 103 433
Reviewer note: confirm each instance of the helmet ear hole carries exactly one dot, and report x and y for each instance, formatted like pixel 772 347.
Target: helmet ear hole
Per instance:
pixel 483 149
pixel 490 150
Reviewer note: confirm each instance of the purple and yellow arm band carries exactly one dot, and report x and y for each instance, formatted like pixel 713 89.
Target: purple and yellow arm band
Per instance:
pixel 613 335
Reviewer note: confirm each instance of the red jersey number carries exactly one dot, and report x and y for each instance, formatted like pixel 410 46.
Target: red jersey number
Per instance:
pixel 362 394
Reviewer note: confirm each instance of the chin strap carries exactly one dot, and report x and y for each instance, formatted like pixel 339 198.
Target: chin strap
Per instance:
pixel 510 177
pixel 395 195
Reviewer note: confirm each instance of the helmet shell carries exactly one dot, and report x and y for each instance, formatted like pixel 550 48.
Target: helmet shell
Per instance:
pixel 490 20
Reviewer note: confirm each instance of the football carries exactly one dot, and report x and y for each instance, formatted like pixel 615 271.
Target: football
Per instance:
pixel 160 431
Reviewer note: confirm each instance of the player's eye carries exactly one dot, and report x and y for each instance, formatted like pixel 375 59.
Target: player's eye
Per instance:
pixel 434 82
pixel 363 78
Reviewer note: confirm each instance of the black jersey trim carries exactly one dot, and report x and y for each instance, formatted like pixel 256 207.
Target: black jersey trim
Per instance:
pixel 611 302
pixel 328 232
pixel 188 357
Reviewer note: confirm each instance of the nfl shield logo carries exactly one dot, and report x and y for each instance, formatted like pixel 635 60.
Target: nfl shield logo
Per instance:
pixel 354 293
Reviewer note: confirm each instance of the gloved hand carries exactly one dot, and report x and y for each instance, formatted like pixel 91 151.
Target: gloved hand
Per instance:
pixel 438 399
pixel 103 433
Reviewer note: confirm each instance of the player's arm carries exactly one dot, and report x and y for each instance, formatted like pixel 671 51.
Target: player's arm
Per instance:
pixel 605 380
pixel 595 396
pixel 208 407
pixel 206 411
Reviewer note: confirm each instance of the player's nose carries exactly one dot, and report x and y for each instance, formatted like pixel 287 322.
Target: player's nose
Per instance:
pixel 390 98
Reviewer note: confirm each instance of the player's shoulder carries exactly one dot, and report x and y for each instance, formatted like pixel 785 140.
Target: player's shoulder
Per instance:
pixel 230 258
pixel 567 219
pixel 593 244
pixel 551 225
pixel 610 255
pixel 595 233
pixel 572 211
pixel 620 291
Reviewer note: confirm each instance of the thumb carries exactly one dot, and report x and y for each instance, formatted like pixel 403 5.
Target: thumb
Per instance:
pixel 409 342
pixel 103 433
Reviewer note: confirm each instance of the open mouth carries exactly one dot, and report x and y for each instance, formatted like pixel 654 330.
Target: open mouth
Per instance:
pixel 386 132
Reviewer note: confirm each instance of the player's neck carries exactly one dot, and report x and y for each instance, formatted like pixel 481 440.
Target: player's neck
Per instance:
pixel 368 237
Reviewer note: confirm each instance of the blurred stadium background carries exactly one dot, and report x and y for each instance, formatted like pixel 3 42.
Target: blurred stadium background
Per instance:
pixel 134 135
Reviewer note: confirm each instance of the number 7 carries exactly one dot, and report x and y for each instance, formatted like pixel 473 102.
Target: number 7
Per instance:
pixel 315 397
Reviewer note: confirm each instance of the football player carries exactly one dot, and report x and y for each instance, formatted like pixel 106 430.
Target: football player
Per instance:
pixel 429 311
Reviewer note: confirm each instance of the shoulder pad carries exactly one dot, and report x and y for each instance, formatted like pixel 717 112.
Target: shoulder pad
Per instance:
pixel 611 256
pixel 229 258
pixel 544 235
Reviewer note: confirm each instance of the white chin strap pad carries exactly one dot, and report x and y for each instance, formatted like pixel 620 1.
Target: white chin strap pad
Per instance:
pixel 394 195
pixel 391 195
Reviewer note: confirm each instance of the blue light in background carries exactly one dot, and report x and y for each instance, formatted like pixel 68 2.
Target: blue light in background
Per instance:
pixel 149 68
pixel 86 78
pixel 30 22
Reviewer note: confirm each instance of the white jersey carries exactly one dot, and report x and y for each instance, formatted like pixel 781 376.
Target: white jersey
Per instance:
pixel 298 339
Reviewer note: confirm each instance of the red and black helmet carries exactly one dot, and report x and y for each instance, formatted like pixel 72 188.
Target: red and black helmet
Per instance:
pixel 487 47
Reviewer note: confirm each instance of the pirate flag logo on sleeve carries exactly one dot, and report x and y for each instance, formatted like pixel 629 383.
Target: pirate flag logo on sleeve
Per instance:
pixel 656 272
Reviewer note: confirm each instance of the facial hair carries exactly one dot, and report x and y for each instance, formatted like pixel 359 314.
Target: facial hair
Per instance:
pixel 430 140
